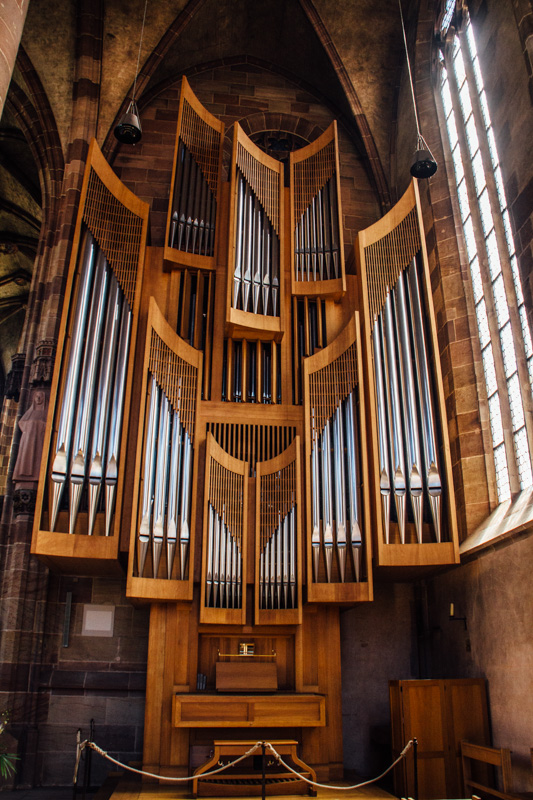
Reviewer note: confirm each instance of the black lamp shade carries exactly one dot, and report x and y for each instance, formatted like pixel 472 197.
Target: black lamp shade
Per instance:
pixel 424 165
pixel 128 130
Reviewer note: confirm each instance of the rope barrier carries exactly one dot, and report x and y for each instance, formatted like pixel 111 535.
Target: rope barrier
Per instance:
pixel 87 743
pixel 340 788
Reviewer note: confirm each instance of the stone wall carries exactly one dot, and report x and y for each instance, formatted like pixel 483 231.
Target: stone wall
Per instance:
pixel 495 594
pixel 93 678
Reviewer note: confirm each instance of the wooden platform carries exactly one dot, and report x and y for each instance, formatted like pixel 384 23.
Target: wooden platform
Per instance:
pixel 134 790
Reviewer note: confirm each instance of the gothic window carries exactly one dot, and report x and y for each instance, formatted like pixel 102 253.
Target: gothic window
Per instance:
pixel 505 340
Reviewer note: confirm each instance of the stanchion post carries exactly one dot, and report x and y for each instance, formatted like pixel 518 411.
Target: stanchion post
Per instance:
pixel 75 782
pixel 88 759
pixel 415 764
pixel 263 770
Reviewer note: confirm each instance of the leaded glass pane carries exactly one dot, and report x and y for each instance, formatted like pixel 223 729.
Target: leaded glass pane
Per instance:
pixel 471 44
pixel 492 146
pixel 528 345
pixel 523 458
pixel 466 103
pixel 490 374
pixel 485 211
pixel 499 186
pixel 500 301
pixel 471 135
pixel 495 419
pixel 493 255
pixel 452 131
pixel 459 66
pixel 458 164
pixel 479 172
pixel 484 107
pixel 508 231
pixel 502 474
pixel 477 283
pixel 508 353
pixel 470 239
pixel 446 97
pixel 464 205
pixel 483 324
pixel 515 402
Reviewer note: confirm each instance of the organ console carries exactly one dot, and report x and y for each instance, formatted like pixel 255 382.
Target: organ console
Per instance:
pixel 253 433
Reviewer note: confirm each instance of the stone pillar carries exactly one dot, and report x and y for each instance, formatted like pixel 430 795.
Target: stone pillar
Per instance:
pixel 12 17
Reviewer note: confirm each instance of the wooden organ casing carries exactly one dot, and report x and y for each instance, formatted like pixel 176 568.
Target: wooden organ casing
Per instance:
pixel 251 487
pixel 117 223
pixel 393 269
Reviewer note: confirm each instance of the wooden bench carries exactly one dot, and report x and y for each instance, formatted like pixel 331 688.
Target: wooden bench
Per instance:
pixel 500 758
pixel 246 781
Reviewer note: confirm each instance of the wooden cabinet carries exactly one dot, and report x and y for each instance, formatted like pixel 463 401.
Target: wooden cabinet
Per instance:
pixel 438 713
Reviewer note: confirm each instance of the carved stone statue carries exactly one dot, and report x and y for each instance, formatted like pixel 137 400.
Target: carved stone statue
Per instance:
pixel 32 424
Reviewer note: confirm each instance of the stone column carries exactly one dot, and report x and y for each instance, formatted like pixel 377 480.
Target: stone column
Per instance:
pixel 12 17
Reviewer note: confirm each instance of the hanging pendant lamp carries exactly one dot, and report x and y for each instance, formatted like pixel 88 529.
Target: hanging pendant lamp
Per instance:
pixel 424 165
pixel 129 130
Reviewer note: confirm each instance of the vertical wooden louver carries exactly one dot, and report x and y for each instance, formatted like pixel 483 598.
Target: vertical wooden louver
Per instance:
pixel 81 484
pixel 255 288
pixel 193 210
pixel 278 567
pixel 225 545
pixel 413 492
pixel 337 546
pixel 317 251
pixel 162 540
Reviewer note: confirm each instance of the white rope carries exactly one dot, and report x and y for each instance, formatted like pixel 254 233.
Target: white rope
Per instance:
pixel 341 788
pixel 249 752
pixel 103 753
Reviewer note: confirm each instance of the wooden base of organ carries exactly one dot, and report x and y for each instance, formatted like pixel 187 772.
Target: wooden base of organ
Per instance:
pixel 307 707
pixel 244 781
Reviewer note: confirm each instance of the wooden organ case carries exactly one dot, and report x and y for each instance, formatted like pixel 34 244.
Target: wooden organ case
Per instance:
pixel 249 494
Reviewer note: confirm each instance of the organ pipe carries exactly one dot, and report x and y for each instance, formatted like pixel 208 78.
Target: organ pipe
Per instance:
pixel 64 435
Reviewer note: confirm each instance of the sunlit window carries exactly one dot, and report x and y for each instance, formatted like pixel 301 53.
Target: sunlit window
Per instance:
pixel 505 340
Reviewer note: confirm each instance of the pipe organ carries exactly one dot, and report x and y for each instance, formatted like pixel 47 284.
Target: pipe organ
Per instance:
pixel 247 427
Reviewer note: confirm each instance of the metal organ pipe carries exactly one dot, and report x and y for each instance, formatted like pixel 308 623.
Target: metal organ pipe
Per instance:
pixel 340 491
pixel 161 486
pixel 317 237
pixel 429 436
pixel 104 397
pixel 327 498
pixel 383 438
pixel 256 264
pixel 64 434
pixel 87 386
pixel 395 418
pixel 354 503
pixel 410 413
pixel 193 207
pixel 148 476
pixel 115 427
